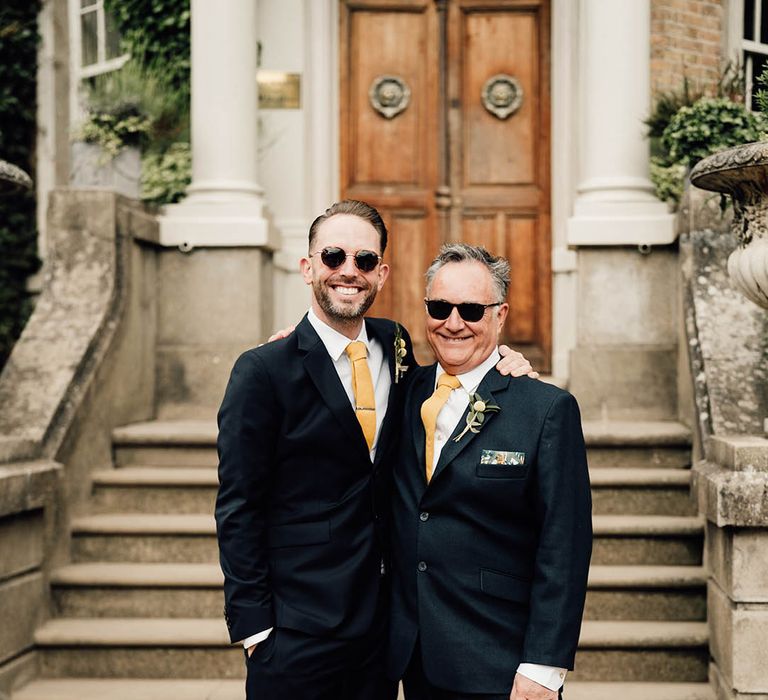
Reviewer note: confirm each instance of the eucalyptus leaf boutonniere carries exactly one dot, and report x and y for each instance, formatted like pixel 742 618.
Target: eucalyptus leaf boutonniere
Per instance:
pixel 400 353
pixel 478 407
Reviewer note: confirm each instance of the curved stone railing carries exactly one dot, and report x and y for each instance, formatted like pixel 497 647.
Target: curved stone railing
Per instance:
pixel 732 482
pixel 73 323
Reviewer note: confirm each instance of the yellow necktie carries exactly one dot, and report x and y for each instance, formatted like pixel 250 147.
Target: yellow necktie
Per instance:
pixel 362 386
pixel 429 411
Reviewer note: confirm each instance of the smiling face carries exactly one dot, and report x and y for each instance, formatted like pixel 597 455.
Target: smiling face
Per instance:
pixel 340 297
pixel 461 345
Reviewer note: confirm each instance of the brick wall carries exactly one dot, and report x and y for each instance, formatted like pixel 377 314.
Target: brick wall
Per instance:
pixel 686 40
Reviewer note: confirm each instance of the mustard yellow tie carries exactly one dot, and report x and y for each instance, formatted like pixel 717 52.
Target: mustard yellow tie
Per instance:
pixel 430 410
pixel 362 386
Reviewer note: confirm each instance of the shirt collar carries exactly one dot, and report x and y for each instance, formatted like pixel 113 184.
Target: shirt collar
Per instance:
pixel 335 342
pixel 471 380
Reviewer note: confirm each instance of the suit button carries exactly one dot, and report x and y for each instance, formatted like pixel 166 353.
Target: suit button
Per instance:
pixel 423 517
pixel 422 566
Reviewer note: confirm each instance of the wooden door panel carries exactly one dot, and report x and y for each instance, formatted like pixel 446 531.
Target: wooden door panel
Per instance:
pixel 499 151
pixel 393 163
pixel 492 173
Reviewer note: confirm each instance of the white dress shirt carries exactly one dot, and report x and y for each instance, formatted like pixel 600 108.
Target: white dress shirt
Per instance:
pixel 336 345
pixel 451 413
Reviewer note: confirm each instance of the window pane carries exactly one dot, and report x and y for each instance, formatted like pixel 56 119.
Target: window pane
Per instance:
pixel 113 37
pixel 764 21
pixel 89 38
pixel 91 4
pixel 749 19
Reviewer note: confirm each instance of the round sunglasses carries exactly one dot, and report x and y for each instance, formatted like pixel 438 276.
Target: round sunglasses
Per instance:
pixel 333 257
pixel 439 309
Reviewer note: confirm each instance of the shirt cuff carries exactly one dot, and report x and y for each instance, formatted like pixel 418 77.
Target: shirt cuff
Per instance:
pixel 550 677
pixel 256 638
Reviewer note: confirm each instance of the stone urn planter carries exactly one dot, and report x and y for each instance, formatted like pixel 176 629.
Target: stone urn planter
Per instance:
pixel 742 173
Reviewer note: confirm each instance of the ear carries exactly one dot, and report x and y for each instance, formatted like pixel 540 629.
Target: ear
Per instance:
pixel 305 265
pixel 383 274
pixel 502 316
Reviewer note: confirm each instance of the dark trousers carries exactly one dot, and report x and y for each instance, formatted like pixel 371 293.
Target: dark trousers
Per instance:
pixel 292 665
pixel 417 687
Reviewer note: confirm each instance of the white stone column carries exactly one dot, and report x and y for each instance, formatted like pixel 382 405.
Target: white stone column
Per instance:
pixel 615 203
pixel 225 204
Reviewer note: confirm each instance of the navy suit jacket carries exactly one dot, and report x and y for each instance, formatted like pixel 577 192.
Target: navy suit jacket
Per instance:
pixel 490 560
pixel 301 511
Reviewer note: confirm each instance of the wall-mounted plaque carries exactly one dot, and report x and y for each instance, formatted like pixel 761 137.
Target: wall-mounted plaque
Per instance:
pixel 278 90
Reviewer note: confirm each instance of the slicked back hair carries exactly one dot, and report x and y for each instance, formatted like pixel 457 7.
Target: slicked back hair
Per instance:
pixel 497 266
pixel 352 207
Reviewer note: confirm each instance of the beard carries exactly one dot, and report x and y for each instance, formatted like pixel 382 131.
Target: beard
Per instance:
pixel 344 313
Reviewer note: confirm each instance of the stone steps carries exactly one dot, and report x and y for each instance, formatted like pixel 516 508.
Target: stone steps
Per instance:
pixel 199 648
pixel 619 539
pixel 641 491
pixel 621 490
pixel 184 590
pixel 637 444
pixel 190 689
pixel 152 489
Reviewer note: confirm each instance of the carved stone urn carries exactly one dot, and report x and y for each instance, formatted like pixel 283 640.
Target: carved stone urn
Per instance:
pixel 742 172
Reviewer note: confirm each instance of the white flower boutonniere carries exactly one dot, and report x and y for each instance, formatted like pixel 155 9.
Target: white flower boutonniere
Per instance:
pixel 400 353
pixel 478 407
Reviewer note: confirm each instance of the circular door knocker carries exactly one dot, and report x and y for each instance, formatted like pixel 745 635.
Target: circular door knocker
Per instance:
pixel 389 95
pixel 502 95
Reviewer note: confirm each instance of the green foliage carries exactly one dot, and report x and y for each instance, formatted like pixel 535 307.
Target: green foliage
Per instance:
pixel 146 102
pixel 156 33
pixel 709 125
pixel 165 176
pixel 134 106
pixel 667 179
pixel 761 96
pixel 18 233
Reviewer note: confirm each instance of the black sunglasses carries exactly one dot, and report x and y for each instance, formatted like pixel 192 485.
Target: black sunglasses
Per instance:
pixel 469 311
pixel 333 257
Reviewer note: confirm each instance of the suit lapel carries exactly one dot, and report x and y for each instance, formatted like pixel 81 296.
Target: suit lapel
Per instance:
pixel 323 375
pixel 493 383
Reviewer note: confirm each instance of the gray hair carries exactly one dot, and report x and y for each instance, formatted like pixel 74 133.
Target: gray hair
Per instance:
pixel 497 266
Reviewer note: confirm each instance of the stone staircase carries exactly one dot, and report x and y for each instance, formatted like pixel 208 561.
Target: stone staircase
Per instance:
pixel 138 612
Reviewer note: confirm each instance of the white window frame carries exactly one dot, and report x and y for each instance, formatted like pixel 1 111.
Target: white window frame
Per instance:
pixel 102 65
pixel 745 47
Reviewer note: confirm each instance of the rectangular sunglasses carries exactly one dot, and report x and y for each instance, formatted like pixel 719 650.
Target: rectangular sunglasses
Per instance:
pixel 439 309
pixel 333 257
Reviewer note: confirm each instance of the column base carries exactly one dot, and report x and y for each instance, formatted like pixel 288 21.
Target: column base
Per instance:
pixel 621 223
pixel 216 225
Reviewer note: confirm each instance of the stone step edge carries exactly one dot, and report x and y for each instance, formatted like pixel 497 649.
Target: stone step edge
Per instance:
pixel 157 476
pixel 596 434
pixel 180 632
pixel 596 690
pixel 130 689
pixel 165 524
pixel 153 575
pixel 215 689
pixel 208 476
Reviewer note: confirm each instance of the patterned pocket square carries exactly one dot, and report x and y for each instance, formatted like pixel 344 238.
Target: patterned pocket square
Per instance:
pixel 512 459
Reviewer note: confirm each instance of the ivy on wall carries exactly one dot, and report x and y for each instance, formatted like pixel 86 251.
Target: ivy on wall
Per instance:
pixel 156 33
pixel 18 105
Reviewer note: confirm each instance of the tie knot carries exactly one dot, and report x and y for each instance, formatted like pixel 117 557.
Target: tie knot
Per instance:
pixel 450 380
pixel 357 350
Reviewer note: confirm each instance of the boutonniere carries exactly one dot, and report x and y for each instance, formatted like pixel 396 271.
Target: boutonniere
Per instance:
pixel 478 407
pixel 400 353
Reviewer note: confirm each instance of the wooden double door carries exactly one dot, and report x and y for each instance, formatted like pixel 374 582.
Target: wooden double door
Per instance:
pixel 445 129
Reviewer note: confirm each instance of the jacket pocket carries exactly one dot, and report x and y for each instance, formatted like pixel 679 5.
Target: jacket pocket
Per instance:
pixel 502 471
pixel 506 586
pixel 299 534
